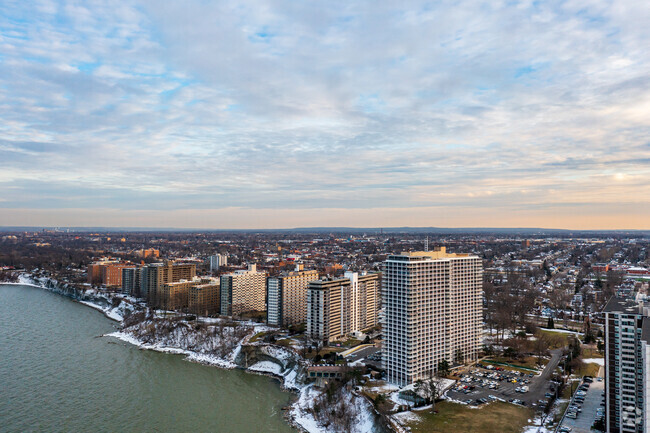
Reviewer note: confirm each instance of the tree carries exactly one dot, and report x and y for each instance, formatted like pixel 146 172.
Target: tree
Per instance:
pixel 430 389
pixel 550 324
pixel 443 368
pixel 541 346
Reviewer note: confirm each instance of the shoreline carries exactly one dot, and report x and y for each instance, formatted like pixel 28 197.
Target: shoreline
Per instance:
pixel 297 392
pixel 108 313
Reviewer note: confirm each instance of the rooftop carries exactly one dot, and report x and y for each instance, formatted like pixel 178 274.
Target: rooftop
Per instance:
pixel 623 305
pixel 437 254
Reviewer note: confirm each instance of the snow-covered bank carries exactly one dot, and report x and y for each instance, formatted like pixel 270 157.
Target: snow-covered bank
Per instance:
pixel 201 358
pixel 113 307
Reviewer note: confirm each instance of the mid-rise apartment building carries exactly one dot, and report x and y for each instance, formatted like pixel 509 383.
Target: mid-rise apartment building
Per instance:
pixel 287 297
pixel 197 295
pixel 217 261
pixel 154 275
pixel 339 307
pixel 243 291
pixel 432 304
pixel 107 272
pixel 204 299
pixel 627 358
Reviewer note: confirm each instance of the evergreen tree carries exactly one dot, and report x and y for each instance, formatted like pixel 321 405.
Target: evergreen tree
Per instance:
pixel 550 324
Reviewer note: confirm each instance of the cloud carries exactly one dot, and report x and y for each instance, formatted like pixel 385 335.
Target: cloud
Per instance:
pixel 147 107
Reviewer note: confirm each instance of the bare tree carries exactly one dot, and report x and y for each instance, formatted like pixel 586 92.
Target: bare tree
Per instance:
pixel 430 389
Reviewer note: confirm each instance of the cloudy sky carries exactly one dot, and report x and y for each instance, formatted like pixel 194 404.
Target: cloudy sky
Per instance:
pixel 263 114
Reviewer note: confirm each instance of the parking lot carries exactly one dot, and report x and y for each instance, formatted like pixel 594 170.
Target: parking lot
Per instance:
pixel 370 355
pixel 479 385
pixel 589 408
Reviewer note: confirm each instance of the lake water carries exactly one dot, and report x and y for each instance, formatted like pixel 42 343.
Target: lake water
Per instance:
pixel 58 375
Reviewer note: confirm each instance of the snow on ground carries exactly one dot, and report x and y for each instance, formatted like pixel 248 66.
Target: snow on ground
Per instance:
pixel 599 361
pixel 407 417
pixel 301 412
pixel 158 347
pixel 384 388
pixel 281 354
pixel 534 427
pixel 266 367
pixel 108 312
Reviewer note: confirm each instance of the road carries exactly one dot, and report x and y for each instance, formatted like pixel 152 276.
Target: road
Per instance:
pixel 539 385
pixel 362 353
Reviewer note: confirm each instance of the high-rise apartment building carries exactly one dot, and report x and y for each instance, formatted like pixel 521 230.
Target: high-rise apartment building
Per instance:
pixel 131 281
pixel 627 358
pixel 339 307
pixel 287 297
pixel 243 291
pixel 217 261
pixel 432 303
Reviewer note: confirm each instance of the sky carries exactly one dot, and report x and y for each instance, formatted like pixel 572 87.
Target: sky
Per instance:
pixel 279 114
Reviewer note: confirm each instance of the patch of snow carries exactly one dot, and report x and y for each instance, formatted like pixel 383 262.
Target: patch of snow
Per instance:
pixel 599 361
pixel 407 417
pixel 266 367
pixel 108 312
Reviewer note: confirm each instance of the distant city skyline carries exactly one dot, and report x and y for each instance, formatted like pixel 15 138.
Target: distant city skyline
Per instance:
pixel 245 115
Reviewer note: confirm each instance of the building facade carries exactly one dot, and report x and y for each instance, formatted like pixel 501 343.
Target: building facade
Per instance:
pixel 243 291
pixel 204 299
pixel 217 261
pixel 627 357
pixel 287 297
pixel 339 307
pixel 107 272
pixel 154 275
pixel 432 305
pixel 131 281
pixel 198 295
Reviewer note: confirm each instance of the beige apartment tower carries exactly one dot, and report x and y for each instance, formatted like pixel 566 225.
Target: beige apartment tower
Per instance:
pixel 336 308
pixel 432 312
pixel 243 291
pixel 287 297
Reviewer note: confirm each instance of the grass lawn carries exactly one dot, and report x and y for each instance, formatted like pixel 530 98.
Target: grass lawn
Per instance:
pixel 287 342
pixel 588 370
pixel 512 366
pixel 555 339
pixel 457 418
pixel 591 351
pixel 528 362
pixel 259 336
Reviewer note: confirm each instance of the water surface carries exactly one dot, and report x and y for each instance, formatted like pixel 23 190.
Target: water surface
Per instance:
pixel 56 375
